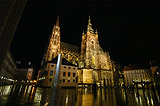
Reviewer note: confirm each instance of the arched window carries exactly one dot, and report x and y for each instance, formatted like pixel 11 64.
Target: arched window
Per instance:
pixel 52 55
pixel 92 44
pixel 55 36
pixel 54 42
pixel 93 60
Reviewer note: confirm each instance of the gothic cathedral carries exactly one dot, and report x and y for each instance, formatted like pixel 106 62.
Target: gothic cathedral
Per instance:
pixel 94 64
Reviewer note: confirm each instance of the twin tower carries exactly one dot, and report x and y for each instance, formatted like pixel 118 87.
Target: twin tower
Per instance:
pixel 91 56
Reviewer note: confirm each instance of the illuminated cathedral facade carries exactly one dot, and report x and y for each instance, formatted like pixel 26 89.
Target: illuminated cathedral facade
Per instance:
pixel 94 65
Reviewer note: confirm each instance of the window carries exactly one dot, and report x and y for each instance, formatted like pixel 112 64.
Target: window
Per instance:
pixel 52 65
pixel 69 67
pixel 73 68
pixel 50 80
pixel 68 80
pixel 73 80
pixel 64 66
pixel 53 57
pixel 63 80
pixel 92 42
pixel 51 73
pixel 73 74
pixel 64 73
pixel 68 74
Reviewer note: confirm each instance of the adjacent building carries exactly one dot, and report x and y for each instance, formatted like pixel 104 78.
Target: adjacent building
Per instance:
pixel 8 70
pixel 10 14
pixel 155 68
pixel 68 74
pixel 25 70
pixel 137 76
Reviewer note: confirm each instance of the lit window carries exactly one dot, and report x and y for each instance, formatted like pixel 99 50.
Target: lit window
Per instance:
pixel 157 72
pixel 64 73
pixel 68 74
pixel 73 74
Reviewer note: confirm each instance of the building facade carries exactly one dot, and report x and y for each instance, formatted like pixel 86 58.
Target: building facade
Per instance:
pixel 11 12
pixel 92 55
pixel 8 70
pixel 137 76
pixel 155 68
pixel 95 65
pixel 68 74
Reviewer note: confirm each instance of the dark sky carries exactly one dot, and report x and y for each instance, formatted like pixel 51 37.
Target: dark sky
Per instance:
pixel 129 31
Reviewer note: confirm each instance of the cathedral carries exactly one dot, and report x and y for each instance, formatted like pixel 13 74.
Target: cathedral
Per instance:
pixel 94 65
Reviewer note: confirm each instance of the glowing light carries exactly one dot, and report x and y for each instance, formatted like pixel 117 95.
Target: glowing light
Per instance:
pixel 66 99
pixel 34 81
pixel 85 90
pixel 32 90
pixel 46 104
pixel 152 101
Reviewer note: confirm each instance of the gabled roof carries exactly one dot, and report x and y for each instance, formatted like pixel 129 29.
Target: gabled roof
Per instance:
pixel 136 67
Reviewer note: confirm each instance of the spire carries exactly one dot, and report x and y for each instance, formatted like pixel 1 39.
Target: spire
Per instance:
pixel 57 22
pixel 89 27
pixel 83 33
pixel 96 31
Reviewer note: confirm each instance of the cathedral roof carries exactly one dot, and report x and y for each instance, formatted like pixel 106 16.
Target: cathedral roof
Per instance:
pixel 64 61
pixel 68 46
pixel 100 48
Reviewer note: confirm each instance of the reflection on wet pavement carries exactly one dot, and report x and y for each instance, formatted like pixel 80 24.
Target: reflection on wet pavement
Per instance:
pixel 36 96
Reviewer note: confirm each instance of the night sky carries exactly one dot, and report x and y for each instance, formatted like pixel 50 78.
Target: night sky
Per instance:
pixel 129 31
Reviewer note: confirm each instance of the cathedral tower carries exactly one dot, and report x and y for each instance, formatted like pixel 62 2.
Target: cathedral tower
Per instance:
pixel 54 44
pixel 89 48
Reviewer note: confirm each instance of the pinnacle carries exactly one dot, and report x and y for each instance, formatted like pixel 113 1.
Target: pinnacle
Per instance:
pixel 57 22
pixel 89 27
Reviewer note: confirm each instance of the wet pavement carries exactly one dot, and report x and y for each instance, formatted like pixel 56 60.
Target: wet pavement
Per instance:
pixel 36 96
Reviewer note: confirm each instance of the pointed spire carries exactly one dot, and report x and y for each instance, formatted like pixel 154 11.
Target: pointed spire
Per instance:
pixel 83 33
pixel 57 22
pixel 89 27
pixel 96 31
